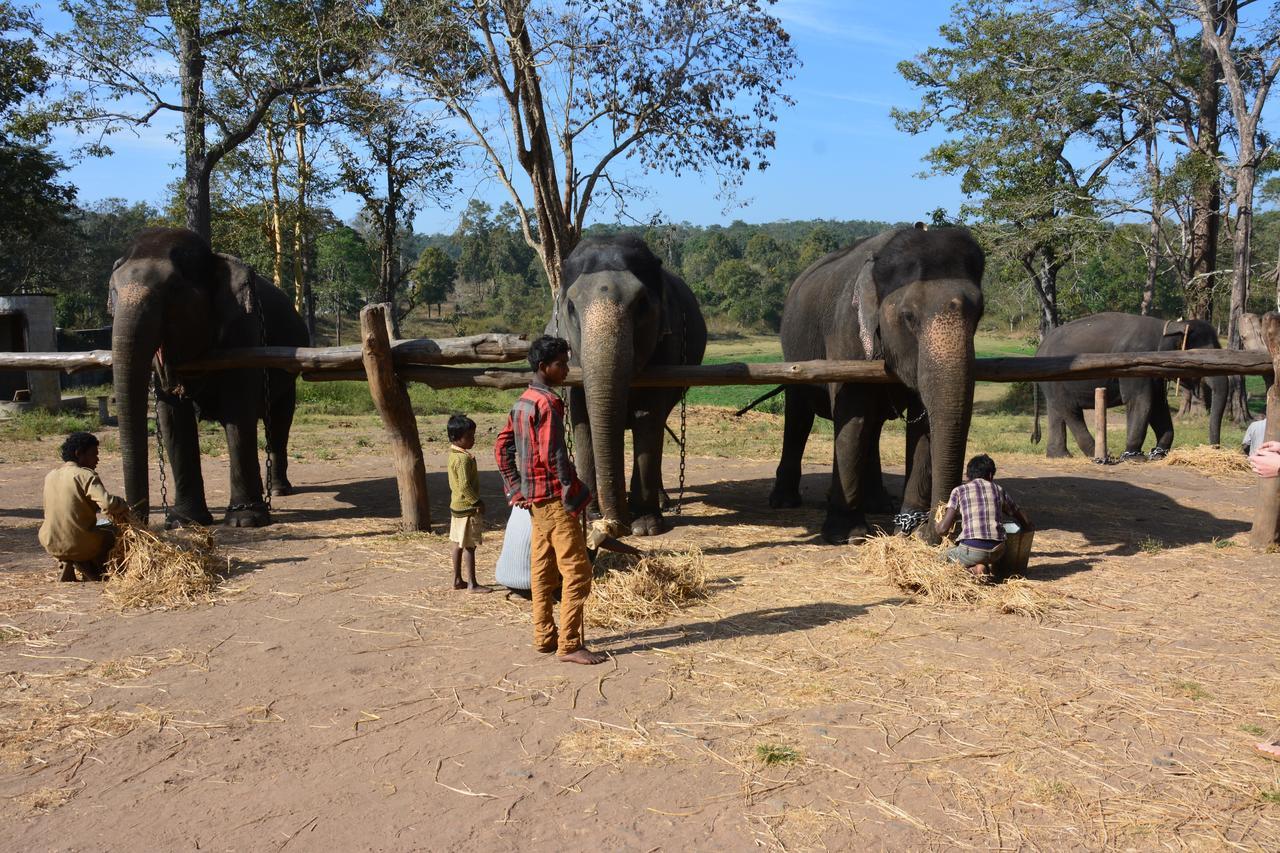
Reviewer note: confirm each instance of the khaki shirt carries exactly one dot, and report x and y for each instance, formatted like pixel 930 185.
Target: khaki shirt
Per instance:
pixel 72 498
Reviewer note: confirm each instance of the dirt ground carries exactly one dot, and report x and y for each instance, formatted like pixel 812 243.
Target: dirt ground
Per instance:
pixel 340 696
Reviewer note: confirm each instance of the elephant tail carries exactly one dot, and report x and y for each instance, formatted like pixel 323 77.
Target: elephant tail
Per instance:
pixel 1035 407
pixel 758 400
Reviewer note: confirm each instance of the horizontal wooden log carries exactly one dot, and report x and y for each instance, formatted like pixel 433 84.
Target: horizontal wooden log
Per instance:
pixel 1170 365
pixel 493 348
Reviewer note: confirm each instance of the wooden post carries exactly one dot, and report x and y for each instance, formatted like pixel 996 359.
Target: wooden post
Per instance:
pixel 1100 424
pixel 1266 517
pixel 392 401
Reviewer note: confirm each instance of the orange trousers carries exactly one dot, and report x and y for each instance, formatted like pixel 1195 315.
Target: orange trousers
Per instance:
pixel 558 559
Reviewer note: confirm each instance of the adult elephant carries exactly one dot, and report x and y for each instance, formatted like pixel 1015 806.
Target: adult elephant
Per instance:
pixel 912 297
pixel 621 313
pixel 1144 399
pixel 173 299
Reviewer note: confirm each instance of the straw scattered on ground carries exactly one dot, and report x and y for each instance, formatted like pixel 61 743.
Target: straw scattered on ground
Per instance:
pixel 923 570
pixel 648 590
pixel 1207 459
pixel 179 568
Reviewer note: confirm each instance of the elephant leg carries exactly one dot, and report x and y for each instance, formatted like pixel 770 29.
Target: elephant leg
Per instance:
pixel 796 425
pixel 918 491
pixel 846 520
pixel 1137 397
pixel 1074 417
pixel 876 498
pixel 246 508
pixel 283 402
pixel 1161 423
pixel 1056 444
pixel 181 437
pixel 646 477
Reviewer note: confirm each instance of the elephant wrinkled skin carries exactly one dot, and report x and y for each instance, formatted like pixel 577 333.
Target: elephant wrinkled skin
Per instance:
pixel 1144 399
pixel 914 298
pixel 622 312
pixel 173 299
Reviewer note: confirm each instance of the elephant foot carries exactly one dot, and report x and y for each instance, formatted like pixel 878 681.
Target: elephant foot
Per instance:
pixel 280 490
pixel 247 515
pixel 648 525
pixel 1056 453
pixel 781 498
pixel 844 529
pixel 1158 453
pixel 180 517
pixel 881 504
pixel 1133 456
pixel 927 534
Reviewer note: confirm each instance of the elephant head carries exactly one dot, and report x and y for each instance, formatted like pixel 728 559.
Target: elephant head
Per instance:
pixel 919 302
pixel 171 300
pixel 1197 334
pixel 611 310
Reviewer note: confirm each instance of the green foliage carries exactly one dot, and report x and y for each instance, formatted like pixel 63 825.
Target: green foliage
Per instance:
pixel 774 754
pixel 432 276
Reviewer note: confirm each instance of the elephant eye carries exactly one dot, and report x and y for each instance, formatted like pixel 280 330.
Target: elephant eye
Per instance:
pixel 569 305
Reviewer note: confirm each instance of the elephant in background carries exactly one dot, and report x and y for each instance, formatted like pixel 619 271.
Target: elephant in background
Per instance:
pixel 173 299
pixel 1144 399
pixel 912 297
pixel 621 313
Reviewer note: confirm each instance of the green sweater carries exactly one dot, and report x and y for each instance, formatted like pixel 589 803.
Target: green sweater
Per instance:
pixel 464 482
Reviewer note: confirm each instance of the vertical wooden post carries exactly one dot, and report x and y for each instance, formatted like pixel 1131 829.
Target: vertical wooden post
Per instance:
pixel 1266 516
pixel 1100 424
pixel 392 401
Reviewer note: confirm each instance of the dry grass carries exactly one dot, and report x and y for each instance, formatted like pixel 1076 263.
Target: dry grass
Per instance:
pixel 923 570
pixel 180 568
pixel 1207 459
pixel 645 590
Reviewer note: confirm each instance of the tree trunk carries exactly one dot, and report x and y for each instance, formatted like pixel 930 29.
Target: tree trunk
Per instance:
pixel 1207 191
pixel 196 169
pixel 302 300
pixel 1157 222
pixel 274 155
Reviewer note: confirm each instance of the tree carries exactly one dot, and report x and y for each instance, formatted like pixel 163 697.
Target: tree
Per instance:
pixel 398 156
pixel 579 87
pixel 233 61
pixel 345 273
pixel 1013 88
pixel 432 277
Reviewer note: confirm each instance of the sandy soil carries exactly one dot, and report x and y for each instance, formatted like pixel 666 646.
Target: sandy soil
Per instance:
pixel 339 696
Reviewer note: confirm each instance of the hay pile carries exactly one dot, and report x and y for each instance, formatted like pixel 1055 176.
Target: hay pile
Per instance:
pixel 924 571
pixel 645 590
pixel 179 568
pixel 1207 459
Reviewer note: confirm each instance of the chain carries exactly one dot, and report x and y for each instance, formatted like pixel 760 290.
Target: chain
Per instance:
pixel 909 521
pixel 164 486
pixel 266 396
pixel 684 394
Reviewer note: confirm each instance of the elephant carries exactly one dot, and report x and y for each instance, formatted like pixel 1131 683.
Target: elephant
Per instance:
pixel 622 312
pixel 912 297
pixel 173 299
pixel 1144 399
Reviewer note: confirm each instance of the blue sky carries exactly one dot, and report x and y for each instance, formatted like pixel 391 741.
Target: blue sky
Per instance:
pixel 838 155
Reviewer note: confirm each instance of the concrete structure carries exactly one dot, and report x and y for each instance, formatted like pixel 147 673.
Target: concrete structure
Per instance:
pixel 26 325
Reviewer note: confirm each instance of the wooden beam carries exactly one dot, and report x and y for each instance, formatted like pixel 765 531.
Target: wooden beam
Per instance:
pixel 1100 425
pixel 392 401
pixel 1266 515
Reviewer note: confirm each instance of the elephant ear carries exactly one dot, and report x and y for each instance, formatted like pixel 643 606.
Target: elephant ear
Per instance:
pixel 866 304
pixel 1174 335
pixel 235 300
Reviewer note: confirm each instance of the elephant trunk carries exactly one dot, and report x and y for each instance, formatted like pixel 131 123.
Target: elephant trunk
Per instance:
pixel 946 373
pixel 135 336
pixel 1218 390
pixel 607 345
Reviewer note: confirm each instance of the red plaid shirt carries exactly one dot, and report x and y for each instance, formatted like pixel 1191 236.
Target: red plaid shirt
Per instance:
pixel 531 453
pixel 980 503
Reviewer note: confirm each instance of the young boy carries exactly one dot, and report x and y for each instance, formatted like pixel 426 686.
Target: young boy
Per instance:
pixel 73 494
pixel 535 466
pixel 979 503
pixel 465 505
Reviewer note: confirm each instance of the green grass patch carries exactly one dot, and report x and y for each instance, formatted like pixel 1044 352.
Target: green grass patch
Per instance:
pixel 1253 729
pixel 1270 796
pixel 1190 690
pixel 1151 545
pixel 775 754
pixel 37 423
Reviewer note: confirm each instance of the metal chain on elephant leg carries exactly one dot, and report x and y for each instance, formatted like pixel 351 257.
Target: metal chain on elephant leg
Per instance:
pixel 684 394
pixel 164 486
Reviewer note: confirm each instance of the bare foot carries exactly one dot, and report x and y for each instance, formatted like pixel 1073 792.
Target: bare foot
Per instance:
pixel 584 656
pixel 478 588
pixel 459 583
pixel 1270 749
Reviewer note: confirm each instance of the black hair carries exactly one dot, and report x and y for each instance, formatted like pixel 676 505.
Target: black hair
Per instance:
pixel 459 425
pixel 75 443
pixel 980 467
pixel 546 348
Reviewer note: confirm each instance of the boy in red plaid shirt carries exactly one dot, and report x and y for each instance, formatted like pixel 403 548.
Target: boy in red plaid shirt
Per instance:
pixel 980 503
pixel 538 475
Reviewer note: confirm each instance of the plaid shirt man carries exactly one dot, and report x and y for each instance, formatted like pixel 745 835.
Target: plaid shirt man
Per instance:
pixel 531 452
pixel 980 503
